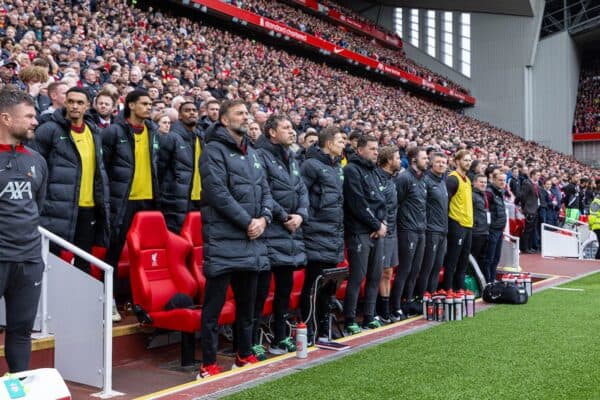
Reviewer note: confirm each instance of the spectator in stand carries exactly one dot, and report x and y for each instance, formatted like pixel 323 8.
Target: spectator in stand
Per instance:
pixel 389 165
pixel 572 199
pixel 437 224
pixel 21 264
pixel 130 148
pixel 212 114
pixel 77 204
pixel 103 110
pixel 548 203
pixel 530 203
pixel 411 224
pixel 460 222
pixel 310 138
pixel 254 132
pixel 284 235
pixel 365 228
pixel 481 220
pixel 324 228
pixel 163 123
pixel 57 92
pixel 495 198
pixel 238 214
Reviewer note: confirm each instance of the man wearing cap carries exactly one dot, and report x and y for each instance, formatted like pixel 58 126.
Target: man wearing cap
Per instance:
pixel 8 74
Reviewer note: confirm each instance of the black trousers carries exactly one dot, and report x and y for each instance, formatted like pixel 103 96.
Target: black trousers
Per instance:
pixel 527 239
pixel 313 270
pixel 457 257
pixel 365 256
pixel 263 282
pixel 411 247
pixel 479 246
pixel 20 285
pixel 117 241
pixel 85 235
pixel 243 284
pixel 433 257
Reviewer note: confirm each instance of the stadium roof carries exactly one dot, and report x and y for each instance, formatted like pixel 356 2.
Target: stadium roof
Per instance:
pixel 512 7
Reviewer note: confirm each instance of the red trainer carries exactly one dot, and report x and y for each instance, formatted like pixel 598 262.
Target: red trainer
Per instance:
pixel 242 362
pixel 209 370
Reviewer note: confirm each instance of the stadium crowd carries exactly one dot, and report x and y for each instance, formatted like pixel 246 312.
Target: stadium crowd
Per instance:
pixel 342 37
pixel 149 112
pixel 587 110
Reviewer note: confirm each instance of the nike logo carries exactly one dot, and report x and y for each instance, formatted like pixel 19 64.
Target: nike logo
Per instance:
pixel 37 283
pixel 337 51
pixel 63 137
pixel 231 154
pixel 3 169
pixel 123 141
pixel 182 147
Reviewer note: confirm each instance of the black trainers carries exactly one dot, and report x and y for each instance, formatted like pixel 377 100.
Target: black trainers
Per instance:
pixel 397 315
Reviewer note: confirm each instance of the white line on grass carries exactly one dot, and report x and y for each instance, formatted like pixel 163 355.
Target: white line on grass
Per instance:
pixel 567 289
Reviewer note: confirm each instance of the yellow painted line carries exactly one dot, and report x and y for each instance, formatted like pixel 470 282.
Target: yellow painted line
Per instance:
pixel 222 375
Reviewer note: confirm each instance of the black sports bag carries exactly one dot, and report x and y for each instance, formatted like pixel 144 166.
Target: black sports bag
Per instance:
pixel 503 292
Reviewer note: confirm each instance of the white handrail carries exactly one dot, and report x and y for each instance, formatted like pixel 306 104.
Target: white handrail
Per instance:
pixel 47 237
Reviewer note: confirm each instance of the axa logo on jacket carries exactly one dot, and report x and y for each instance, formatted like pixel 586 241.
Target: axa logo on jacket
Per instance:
pixel 17 190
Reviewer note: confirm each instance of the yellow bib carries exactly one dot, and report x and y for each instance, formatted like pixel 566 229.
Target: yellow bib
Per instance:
pixel 141 188
pixel 87 153
pixel 461 204
pixel 196 182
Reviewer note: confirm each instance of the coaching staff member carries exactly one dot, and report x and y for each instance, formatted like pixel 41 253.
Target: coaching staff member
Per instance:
pixel 23 176
pixel 234 218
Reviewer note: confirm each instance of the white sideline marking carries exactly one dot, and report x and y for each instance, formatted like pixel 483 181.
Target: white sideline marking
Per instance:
pixel 567 289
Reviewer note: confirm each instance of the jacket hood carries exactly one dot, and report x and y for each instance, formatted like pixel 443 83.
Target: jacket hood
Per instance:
pixel 316 152
pixel 179 128
pixel 278 150
pixel 356 159
pixel 60 117
pixel 218 133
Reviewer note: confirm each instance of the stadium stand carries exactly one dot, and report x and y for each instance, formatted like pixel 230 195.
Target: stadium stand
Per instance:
pixel 587 111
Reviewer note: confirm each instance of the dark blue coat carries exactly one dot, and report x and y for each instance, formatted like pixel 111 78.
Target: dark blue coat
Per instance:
pixel 324 229
pixel 234 190
pixel 289 197
pixel 59 215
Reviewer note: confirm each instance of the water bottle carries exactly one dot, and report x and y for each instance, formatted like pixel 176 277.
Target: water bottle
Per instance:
pixel 301 340
pixel 426 306
pixel 470 302
pixel 458 307
pixel 439 308
pixel 527 283
pixel 449 306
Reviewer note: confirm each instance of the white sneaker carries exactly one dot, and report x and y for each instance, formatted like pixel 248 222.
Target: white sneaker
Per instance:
pixel 116 317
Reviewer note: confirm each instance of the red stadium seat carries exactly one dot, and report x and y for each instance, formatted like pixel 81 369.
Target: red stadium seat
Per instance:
pixel 158 272
pixel 192 232
pixel 297 289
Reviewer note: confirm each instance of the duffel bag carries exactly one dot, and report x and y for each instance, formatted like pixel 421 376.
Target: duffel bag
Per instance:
pixel 504 292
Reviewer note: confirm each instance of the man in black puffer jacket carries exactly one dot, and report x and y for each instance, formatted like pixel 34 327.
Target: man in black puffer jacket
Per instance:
pixel 411 223
pixel 495 197
pixel 130 147
pixel 284 235
pixel 365 225
pixel 178 171
pixel 237 209
pixel 324 230
pixel 437 224
pixel 481 220
pixel 76 206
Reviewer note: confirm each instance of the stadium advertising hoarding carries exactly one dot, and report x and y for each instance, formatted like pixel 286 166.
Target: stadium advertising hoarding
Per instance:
pixel 351 22
pixel 286 32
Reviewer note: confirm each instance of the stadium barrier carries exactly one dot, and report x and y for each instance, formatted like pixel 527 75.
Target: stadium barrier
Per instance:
pixel 560 242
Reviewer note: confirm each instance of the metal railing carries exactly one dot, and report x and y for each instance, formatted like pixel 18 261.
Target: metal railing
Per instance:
pixel 48 237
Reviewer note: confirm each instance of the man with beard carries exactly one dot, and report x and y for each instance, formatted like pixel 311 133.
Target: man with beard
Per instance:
pixel 411 224
pixel 178 167
pixel 437 224
pixel 212 114
pixel 460 222
pixel 365 228
pixel 495 196
pixel 284 236
pixel 77 206
pixel 103 109
pixel 389 164
pixel 235 214
pixel 23 177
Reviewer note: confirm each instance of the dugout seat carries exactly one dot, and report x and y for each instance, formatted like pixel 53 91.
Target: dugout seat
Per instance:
pixel 158 272
pixel 191 230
